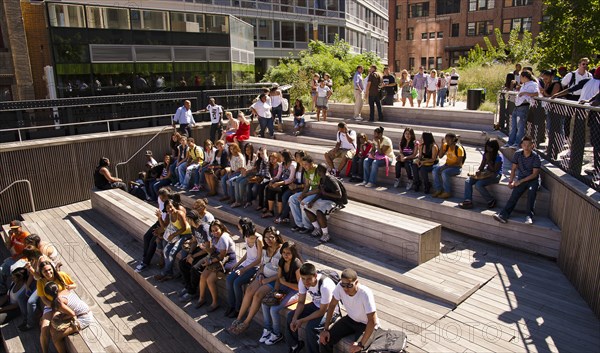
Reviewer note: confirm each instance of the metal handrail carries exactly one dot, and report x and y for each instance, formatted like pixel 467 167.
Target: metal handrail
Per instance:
pixel 28 188
pixel 139 150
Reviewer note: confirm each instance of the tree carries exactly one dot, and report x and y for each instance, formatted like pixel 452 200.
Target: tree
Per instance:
pixel 571 31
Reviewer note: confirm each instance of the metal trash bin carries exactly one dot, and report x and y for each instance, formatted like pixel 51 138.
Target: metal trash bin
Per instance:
pixel 475 97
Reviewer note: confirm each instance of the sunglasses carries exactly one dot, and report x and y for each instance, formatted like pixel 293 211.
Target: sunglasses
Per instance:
pixel 584 64
pixel 346 285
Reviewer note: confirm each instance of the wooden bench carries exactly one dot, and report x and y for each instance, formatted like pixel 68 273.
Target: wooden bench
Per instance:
pixel 543 237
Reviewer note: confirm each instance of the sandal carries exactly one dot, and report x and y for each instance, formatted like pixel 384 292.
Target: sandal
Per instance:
pixel 248 204
pixel 280 220
pixel 267 214
pixel 239 328
pixel 234 324
pixel 259 208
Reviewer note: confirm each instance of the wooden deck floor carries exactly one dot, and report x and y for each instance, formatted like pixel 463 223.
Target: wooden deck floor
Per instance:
pixel 522 302
pixel 128 320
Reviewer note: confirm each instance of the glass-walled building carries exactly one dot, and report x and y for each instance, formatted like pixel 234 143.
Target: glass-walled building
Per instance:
pixel 112 49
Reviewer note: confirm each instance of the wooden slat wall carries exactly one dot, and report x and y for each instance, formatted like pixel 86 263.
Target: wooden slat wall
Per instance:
pixel 62 174
pixel 579 219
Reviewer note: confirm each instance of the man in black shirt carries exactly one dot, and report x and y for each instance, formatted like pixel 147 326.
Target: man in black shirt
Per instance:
pixel 328 197
pixel 389 87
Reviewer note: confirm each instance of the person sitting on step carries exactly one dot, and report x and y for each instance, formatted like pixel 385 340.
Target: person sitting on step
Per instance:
pixel 455 158
pixel 328 197
pixel 103 180
pixel 217 169
pixel 408 152
pixel 426 159
pixel 488 173
pixel 237 163
pixel 279 184
pixel 363 150
pixel 381 155
pixel 344 150
pixel 310 190
pixel 524 177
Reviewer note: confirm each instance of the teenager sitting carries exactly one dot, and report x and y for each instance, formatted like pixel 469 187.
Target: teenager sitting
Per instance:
pixel 177 231
pixel 311 185
pixel 328 196
pixel 382 155
pixel 427 157
pixel 408 152
pixel 255 184
pixel 363 150
pixel 217 169
pixel 242 133
pixel 455 154
pixel 488 173
pixel 237 162
pixel 279 184
pixel 103 180
pixel 295 186
pixel 238 185
pixel 344 150
pixel 198 178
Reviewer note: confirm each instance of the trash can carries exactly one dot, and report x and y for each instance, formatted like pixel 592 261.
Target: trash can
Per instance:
pixel 475 97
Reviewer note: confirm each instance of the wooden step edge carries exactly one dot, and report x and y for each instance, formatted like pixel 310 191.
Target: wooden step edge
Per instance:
pixel 204 337
pixel 11 340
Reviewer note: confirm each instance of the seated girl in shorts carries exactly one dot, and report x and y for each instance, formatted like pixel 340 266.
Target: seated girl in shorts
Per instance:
pixel 299 121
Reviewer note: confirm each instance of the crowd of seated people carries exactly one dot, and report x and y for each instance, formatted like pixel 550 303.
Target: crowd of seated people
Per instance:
pixel 35 289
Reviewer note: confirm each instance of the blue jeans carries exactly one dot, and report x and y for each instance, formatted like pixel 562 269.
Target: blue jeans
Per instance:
pixel 181 172
pixel 420 174
pixel 231 182
pixel 374 100
pixel 277 113
pixel 298 212
pixel 170 251
pixel 441 97
pixel 189 173
pixel 481 187
pixel 240 189
pixel 370 168
pixel 518 123
pixel 224 182
pixel 442 175
pixel 266 124
pixel 531 187
pixel 291 338
pixel 271 319
pixel 235 294
pixel 285 208
pixel 156 186
pixel 29 305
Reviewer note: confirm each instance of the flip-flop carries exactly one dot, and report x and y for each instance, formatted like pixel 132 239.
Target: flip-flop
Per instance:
pixel 267 215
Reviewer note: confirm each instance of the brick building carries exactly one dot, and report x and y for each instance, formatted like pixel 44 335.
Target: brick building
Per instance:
pixel 436 33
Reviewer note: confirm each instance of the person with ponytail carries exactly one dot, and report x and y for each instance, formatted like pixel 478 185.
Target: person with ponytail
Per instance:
pixel 455 158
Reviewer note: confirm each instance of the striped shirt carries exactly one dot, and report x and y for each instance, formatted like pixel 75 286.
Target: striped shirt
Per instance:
pixel 454 79
pixel 525 165
pixel 76 304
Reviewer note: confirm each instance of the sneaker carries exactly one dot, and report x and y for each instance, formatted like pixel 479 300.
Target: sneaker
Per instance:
pixel 492 203
pixel 362 183
pixel 177 186
pixel 296 228
pixel 528 220
pixel 409 185
pixel 500 218
pixel 298 348
pixel 397 182
pixel 141 267
pixel 436 193
pixel 358 118
pixel 304 230
pixel 182 292
pixel 316 233
pixel 273 338
pixel 24 327
pixel 325 238
pixel 265 335
pixel 369 185
pixel 185 298
pixel 195 189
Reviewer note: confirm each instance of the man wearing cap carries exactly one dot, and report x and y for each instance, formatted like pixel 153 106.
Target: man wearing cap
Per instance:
pixel 150 161
pixel 15 244
pixel 183 116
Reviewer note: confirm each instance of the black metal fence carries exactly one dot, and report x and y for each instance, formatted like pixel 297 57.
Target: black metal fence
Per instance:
pixel 566 133
pixel 159 106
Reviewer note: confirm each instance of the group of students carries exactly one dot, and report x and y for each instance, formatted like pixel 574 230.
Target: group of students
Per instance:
pixel 269 277
pixel 34 287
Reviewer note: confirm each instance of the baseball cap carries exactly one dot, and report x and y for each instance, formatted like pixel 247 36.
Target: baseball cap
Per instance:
pixel 148 153
pixel 15 224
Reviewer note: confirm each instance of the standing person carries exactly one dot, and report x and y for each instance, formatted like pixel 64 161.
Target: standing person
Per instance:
pixel 361 319
pixel 323 94
pixel 345 148
pixel 262 109
pixel 408 152
pixel 488 173
pixel 432 86
pixel 453 86
pixel 183 116
pixel 518 121
pixel 573 78
pixel 299 121
pixel 103 180
pixel 314 83
pixel 320 287
pixel 277 105
pixel 406 86
pixel 373 93
pixel 420 83
pixel 328 80
pixel 327 198
pixel 455 157
pixel 359 88
pixel 381 155
pixel 389 87
pixel 524 177
pixel 216 117
pixel 442 89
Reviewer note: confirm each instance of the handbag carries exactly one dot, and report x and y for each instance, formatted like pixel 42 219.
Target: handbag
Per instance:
pixel 60 322
pixel 413 92
pixel 481 175
pixel 273 298
pixel 168 231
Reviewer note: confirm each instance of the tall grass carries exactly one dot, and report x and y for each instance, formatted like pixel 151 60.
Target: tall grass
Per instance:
pixel 489 77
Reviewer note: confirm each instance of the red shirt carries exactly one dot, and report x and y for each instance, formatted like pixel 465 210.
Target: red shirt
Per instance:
pixel 17 242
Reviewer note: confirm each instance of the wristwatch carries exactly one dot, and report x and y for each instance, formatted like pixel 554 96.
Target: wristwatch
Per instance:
pixel 360 345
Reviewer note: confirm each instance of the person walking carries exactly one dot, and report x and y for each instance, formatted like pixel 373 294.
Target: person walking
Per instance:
pixel 419 83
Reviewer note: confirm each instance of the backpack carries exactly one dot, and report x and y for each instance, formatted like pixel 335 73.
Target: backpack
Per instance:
pixel 464 157
pixel 285 104
pixel 331 274
pixel 387 341
pixel 344 199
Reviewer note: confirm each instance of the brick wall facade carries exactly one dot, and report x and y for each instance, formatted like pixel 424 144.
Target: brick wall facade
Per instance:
pixel 38 43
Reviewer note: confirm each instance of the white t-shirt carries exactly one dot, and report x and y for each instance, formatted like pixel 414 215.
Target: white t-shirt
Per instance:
pixel 590 89
pixel 271 264
pixel 357 306
pixel 276 100
pixel 161 207
pixel 262 109
pixel 216 113
pixel 432 83
pixel 528 87
pixel 344 141
pixel 567 79
pixel 322 91
pixel 326 294
pixel 390 151
pixel 251 253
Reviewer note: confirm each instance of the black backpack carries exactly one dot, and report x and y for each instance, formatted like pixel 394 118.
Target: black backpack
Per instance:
pixel 344 199
pixel 331 274
pixel 464 157
pixel 387 341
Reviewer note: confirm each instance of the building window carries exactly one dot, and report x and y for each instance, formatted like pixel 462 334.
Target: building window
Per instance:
pixel 431 35
pixel 66 15
pixel 455 29
pixel 440 34
pixel 182 22
pixel 411 64
pixel 149 20
pixel 520 24
pixel 431 63
pixel 424 35
pixel 511 3
pixel 398 12
pixel 397 66
pixel 447 6
pixel 418 10
pixel 476 5
pixel 410 33
pixel 424 62
pixel 482 28
pixel 398 34
pixel 438 62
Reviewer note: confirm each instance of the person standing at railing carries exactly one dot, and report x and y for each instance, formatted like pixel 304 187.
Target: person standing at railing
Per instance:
pixel 573 78
pixel 594 124
pixel 262 109
pixel 529 89
pixel 183 116
pixel 216 117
